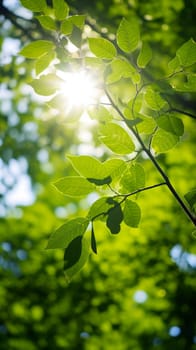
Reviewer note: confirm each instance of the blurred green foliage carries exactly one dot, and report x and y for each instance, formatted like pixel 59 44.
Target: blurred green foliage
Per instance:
pixel 139 291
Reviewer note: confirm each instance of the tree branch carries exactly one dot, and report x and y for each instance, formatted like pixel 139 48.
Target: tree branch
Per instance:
pixel 156 164
pixel 182 112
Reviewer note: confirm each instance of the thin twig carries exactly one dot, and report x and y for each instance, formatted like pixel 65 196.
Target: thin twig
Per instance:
pixel 182 112
pixel 156 164
pixel 125 196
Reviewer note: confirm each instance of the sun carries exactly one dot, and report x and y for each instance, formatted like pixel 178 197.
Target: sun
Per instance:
pixel 79 88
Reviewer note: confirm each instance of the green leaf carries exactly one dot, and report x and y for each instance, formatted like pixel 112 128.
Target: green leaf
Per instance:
pixel 74 186
pixel 128 35
pixel 171 124
pixel 174 64
pixel 61 9
pixel 68 24
pixel 47 22
pixel 116 138
pixel 189 86
pixel 147 126
pixel 43 62
pixel 93 169
pixel 64 235
pixel 133 178
pixel 154 100
pixel 122 69
pixel 113 165
pixel 100 208
pixel 145 55
pixel 77 20
pixel 100 113
pixel 88 166
pixel 35 6
pixel 132 213
pixel 82 253
pixel 191 199
pixel 93 241
pixel 115 217
pixel 187 53
pixel 37 48
pixel 102 48
pixel 47 85
pixel 163 141
pixel 66 27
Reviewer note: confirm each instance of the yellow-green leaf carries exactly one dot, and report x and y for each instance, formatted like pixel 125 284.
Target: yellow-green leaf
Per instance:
pixel 47 22
pixel 163 141
pixel 61 9
pixel 43 62
pixel 74 186
pixel 33 5
pixel 61 238
pixel 47 85
pixel 128 35
pixel 116 138
pixel 102 48
pixel 37 48
pixel 132 213
pixel 145 55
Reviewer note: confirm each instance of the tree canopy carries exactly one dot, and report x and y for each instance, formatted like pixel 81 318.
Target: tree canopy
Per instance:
pixel 97 181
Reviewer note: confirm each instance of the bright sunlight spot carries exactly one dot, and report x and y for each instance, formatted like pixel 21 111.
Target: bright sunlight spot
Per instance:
pixel 79 88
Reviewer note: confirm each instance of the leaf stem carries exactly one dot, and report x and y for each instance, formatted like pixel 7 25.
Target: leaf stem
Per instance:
pixel 156 164
pixel 125 196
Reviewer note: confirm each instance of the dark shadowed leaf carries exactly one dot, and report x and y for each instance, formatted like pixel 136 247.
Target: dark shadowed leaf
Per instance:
pixel 115 217
pixel 62 237
pixel 93 241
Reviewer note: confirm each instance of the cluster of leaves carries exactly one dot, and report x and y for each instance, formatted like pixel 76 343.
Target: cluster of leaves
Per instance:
pixel 150 122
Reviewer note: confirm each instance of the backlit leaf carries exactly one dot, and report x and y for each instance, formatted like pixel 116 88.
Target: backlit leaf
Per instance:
pixel 145 55
pixel 74 186
pixel 77 20
pixel 116 138
pixel 92 168
pixel 66 27
pixel 100 113
pixel 132 213
pixel 122 69
pixel 35 6
pixel 37 48
pixel 187 53
pixel 43 62
pixel 154 100
pixel 61 9
pixel 128 35
pixel 189 86
pixel 47 22
pixel 64 235
pixel 133 178
pixel 102 48
pixel 163 141
pixel 174 64
pixel 47 85
pixel 171 124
